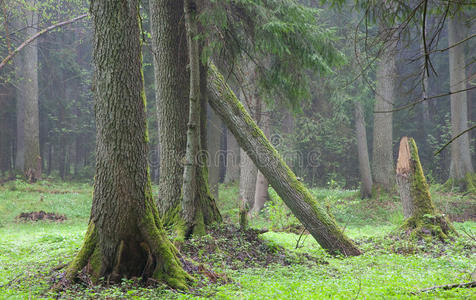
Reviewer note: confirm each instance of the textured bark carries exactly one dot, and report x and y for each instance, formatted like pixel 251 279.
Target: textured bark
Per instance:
pixel 28 158
pixel 214 132
pixel 125 237
pixel 6 129
pixel 382 158
pixel 232 173
pixel 422 218
pixel 189 188
pixel 363 153
pixel 461 163
pixel 172 91
pixel 322 227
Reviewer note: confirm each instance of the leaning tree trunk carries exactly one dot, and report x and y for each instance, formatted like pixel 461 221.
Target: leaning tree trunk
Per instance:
pixel 382 158
pixel 422 218
pixel 293 192
pixel 461 167
pixel 28 158
pixel 363 153
pixel 125 237
pixel 172 91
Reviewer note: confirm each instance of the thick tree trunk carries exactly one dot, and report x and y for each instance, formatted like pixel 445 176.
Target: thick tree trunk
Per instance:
pixel 382 158
pixel 461 167
pixel 28 158
pixel 125 237
pixel 422 218
pixel 363 153
pixel 322 227
pixel 214 131
pixel 172 90
pixel 232 173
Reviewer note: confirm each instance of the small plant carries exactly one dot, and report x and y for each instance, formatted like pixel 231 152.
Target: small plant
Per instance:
pixel 280 217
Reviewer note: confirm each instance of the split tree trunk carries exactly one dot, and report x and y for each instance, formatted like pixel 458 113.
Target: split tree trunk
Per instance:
pixel 322 227
pixel 172 90
pixel 382 158
pixel 461 166
pixel 363 152
pixel 422 218
pixel 28 158
pixel 125 237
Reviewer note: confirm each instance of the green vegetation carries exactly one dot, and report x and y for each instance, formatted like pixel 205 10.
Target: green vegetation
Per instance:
pixel 388 269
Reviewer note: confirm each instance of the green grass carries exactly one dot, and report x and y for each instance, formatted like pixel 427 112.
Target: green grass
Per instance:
pixel 29 251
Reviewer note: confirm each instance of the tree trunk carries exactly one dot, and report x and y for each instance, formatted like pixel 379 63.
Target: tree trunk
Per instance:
pixel 232 173
pixel 422 218
pixel 28 158
pixel 125 237
pixel 461 167
pixel 250 138
pixel 261 190
pixel 363 153
pixel 214 131
pixel 382 164
pixel 6 128
pixel 172 91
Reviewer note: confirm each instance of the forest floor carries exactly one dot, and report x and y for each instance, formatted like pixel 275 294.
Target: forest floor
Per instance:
pixel 42 227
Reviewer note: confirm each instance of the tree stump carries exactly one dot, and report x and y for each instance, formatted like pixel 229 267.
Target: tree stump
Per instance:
pixel 422 218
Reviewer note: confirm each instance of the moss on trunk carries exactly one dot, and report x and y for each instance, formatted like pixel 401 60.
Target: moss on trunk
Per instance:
pixel 424 221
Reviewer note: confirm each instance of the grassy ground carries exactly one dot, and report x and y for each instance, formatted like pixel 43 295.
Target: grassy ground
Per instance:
pixel 387 269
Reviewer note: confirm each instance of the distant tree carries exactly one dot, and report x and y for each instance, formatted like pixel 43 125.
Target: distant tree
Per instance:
pixel 125 237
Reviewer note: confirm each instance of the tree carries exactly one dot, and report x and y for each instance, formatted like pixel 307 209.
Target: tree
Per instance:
pixel 125 237
pixel 422 218
pixel 232 173
pixel 28 160
pixel 214 134
pixel 293 192
pixel 363 153
pixel 461 166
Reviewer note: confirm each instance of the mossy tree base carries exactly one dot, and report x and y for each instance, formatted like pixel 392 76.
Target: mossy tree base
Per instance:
pixel 467 184
pixel 423 219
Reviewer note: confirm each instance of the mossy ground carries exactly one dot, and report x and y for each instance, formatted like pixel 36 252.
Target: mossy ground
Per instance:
pixel 387 269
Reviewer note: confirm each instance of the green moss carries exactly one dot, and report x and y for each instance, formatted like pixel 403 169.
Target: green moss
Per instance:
pixel 466 184
pixel 82 258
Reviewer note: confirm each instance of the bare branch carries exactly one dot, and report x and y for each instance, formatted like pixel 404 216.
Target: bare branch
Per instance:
pixel 38 34
pixel 460 134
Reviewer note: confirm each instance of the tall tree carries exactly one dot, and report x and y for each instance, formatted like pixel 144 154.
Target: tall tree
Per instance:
pixel 363 153
pixel 172 91
pixel 382 158
pixel 461 166
pixel 28 158
pixel 214 133
pixel 125 237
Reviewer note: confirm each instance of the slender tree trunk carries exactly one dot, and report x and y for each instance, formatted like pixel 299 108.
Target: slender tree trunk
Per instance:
pixel 232 173
pixel 261 190
pixel 382 164
pixel 422 218
pixel 6 128
pixel 172 91
pixel 214 131
pixel 363 153
pixel 461 165
pixel 322 227
pixel 125 237
pixel 28 158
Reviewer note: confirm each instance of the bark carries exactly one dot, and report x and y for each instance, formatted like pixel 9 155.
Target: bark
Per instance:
pixel 28 158
pixel 382 164
pixel 189 188
pixel 422 218
pixel 261 190
pixel 214 131
pixel 363 153
pixel 250 138
pixel 172 88
pixel 6 128
pixel 461 164
pixel 125 237
pixel 232 173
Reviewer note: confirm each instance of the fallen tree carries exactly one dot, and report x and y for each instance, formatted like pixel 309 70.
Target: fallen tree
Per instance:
pixel 294 194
